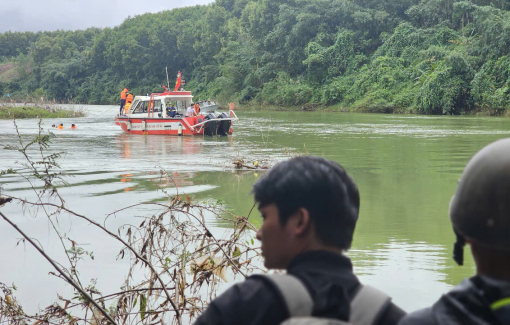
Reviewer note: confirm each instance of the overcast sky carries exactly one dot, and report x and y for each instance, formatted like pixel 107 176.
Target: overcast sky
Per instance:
pixel 36 15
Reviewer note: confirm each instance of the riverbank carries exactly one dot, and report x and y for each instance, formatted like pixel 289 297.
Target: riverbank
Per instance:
pixel 369 109
pixel 22 112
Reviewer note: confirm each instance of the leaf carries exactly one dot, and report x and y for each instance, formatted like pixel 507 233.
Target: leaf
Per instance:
pixel 236 252
pixel 143 306
pixel 134 303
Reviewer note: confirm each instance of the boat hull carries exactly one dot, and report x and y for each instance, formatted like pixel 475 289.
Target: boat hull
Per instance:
pixel 162 126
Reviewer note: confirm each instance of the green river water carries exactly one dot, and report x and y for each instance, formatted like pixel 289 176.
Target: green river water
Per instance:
pixel 406 168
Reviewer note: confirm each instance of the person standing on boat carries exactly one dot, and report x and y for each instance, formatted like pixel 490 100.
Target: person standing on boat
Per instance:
pixel 123 99
pixel 129 101
pixel 190 111
pixel 197 109
pixel 309 207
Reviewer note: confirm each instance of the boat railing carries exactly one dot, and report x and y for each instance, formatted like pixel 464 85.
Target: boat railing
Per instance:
pixel 235 118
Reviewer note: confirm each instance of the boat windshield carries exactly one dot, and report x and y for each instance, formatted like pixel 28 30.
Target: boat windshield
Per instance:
pixel 180 103
pixel 141 107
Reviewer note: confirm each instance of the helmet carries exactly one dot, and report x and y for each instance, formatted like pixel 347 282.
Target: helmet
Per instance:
pixel 480 208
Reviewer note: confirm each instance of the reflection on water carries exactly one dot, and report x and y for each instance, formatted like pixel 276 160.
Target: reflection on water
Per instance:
pixel 406 168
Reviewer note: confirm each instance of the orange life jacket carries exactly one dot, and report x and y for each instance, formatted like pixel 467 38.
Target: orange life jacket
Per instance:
pixel 73 127
pixel 123 94
pixel 60 127
pixel 129 98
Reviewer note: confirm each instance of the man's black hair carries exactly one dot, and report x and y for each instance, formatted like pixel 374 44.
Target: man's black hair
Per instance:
pixel 322 187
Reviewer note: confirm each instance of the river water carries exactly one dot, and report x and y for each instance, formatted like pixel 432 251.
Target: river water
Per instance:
pixel 406 168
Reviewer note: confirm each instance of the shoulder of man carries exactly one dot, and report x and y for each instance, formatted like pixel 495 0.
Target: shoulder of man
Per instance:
pixel 253 301
pixel 420 317
pixel 388 314
pixel 391 315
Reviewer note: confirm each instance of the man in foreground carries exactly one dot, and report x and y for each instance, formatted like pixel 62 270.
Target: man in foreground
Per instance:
pixel 480 214
pixel 309 207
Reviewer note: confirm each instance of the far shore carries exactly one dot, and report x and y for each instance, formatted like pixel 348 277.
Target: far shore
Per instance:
pixel 24 112
pixel 58 110
pixel 377 110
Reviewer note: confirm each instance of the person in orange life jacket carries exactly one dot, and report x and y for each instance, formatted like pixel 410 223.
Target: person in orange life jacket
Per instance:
pixel 129 101
pixel 61 126
pixel 123 99
pixel 309 207
pixel 73 127
pixel 197 109
pixel 480 217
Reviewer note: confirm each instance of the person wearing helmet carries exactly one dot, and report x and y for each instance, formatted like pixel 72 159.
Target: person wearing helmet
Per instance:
pixel 171 111
pixel 309 207
pixel 480 215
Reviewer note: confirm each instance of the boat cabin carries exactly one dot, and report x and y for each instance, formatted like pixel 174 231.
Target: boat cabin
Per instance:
pixel 155 105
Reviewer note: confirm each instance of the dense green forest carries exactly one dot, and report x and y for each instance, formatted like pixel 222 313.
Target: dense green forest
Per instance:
pixel 428 56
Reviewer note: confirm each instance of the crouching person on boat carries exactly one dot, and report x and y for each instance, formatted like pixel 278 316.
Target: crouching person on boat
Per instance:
pixel 309 207
pixel 480 215
pixel 171 111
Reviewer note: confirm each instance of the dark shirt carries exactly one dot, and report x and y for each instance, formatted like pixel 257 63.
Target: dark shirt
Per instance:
pixel 328 277
pixel 171 111
pixel 469 303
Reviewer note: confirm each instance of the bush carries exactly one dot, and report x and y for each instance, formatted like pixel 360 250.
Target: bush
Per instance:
pixel 248 94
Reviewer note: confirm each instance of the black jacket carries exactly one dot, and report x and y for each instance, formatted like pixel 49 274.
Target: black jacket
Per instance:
pixel 328 277
pixel 468 304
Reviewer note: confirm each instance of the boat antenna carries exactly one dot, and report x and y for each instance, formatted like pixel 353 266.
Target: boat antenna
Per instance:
pixel 167 80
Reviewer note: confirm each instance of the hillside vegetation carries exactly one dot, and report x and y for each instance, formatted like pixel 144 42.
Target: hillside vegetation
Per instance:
pixel 428 56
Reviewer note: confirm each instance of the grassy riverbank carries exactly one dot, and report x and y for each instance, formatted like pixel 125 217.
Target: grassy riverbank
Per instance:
pixel 21 112
pixel 360 109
